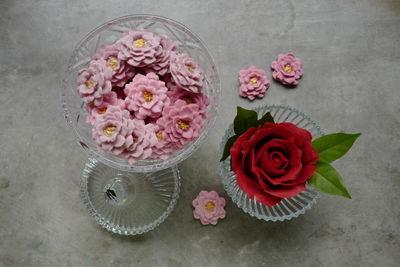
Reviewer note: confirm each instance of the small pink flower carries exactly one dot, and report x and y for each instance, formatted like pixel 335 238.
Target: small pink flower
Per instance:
pixel 139 48
pixel 253 83
pixel 161 65
pixel 287 69
pixel 209 207
pixel 142 139
pixel 112 130
pixel 181 122
pixel 109 99
pixel 164 147
pixel 177 93
pixel 95 82
pixel 186 73
pixel 122 72
pixel 146 96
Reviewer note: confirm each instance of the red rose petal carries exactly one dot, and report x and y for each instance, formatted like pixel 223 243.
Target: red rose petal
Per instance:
pixel 265 161
pixel 269 191
pixel 302 139
pixel 279 177
pixel 286 191
pixel 260 176
pixel 278 160
pixel 306 173
pixel 267 199
pixel 248 185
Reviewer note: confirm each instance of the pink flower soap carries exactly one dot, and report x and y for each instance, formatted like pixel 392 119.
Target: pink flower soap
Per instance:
pixel 121 72
pixel 181 122
pixel 143 141
pixel 146 96
pixel 175 93
pixel 287 69
pixel 161 65
pixel 109 99
pixel 253 83
pixel 95 82
pixel 139 48
pixel 186 73
pixel 112 131
pixel 208 207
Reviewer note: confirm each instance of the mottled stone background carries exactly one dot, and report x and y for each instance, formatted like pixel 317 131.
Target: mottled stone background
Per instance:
pixel 351 55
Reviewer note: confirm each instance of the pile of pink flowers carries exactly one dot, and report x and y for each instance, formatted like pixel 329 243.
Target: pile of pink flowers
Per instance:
pixel 144 99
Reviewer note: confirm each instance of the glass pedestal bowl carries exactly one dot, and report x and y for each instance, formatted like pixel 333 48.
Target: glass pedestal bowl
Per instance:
pixel 287 208
pixel 116 173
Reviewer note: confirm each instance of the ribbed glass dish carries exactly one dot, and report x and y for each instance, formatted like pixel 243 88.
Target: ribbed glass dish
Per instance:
pixel 128 203
pixel 287 208
pixel 109 33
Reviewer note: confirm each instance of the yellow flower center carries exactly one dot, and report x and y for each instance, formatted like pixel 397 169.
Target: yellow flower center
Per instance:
pixel 253 80
pixel 101 110
pixel 139 43
pixel 188 100
pixel 189 68
pixel 113 63
pixel 209 206
pixel 183 125
pixel 110 130
pixel 89 83
pixel 160 136
pixel 287 68
pixel 147 96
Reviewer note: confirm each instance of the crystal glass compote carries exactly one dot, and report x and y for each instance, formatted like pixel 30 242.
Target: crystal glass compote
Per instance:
pixel 287 208
pixel 125 198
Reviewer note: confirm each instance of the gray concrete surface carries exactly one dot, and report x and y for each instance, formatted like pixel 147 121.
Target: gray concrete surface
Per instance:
pixel 351 55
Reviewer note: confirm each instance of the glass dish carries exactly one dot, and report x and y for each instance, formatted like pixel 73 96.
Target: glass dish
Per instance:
pixel 108 33
pixel 287 208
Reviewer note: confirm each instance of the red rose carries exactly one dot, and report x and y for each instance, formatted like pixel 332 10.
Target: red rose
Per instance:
pixel 273 161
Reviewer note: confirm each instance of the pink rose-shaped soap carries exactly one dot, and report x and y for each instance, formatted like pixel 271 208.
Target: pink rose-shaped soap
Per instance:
pixel 181 122
pixel 112 130
pixel 209 207
pixel 186 73
pixel 143 140
pixel 177 93
pixel 287 69
pixel 161 65
pixel 109 99
pixel 146 96
pixel 164 147
pixel 121 72
pixel 95 82
pixel 139 48
pixel 253 83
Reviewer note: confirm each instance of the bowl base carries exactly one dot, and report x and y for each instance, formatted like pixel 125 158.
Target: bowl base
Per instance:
pixel 126 202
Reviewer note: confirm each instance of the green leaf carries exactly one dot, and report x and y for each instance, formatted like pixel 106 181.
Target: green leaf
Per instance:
pixel 266 118
pixel 327 180
pixel 244 120
pixel 228 146
pixel 333 146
